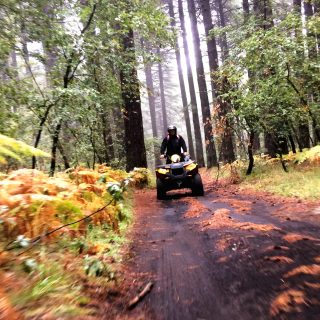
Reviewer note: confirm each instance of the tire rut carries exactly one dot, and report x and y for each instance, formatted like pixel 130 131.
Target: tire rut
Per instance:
pixel 195 279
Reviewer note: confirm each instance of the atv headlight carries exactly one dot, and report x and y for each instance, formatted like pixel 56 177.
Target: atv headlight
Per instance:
pixel 163 171
pixel 175 158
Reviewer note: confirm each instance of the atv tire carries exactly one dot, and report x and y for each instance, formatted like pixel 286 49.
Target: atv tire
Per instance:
pixel 197 186
pixel 161 192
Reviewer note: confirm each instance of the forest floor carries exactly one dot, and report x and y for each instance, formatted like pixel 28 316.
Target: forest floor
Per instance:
pixel 228 255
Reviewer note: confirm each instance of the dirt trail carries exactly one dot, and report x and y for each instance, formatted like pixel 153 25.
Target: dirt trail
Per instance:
pixel 226 256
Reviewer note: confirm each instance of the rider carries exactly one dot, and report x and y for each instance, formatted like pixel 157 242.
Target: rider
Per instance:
pixel 173 143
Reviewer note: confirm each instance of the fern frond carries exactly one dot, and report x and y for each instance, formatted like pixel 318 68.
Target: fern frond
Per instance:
pixel 7 152
pixel 13 148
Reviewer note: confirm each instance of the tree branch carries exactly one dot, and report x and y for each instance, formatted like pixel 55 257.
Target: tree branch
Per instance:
pixel 90 19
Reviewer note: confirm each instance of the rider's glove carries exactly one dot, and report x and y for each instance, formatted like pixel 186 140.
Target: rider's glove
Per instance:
pixel 162 156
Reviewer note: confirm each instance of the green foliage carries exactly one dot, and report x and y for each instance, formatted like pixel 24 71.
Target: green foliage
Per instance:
pixel 67 211
pixel 48 280
pixel 268 79
pixel 95 267
pixel 116 189
pixel 81 49
pixel 302 181
pixel 15 149
pixel 307 156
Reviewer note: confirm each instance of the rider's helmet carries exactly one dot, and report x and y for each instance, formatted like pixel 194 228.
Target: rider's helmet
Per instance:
pixel 172 128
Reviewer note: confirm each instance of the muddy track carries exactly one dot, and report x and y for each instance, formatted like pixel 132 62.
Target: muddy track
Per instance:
pixel 226 256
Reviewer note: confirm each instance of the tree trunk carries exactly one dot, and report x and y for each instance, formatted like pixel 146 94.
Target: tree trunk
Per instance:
pixel 222 22
pixel 205 107
pixel 256 142
pixel 211 44
pixel 118 117
pixel 316 10
pixel 193 100
pixel 263 13
pixel 68 76
pixel 250 153
pixel 55 140
pixel 162 95
pixel 63 155
pixel 297 6
pixel 134 139
pixel 246 9
pixel 182 84
pixel 39 133
pixel 270 145
pixel 227 150
pixel 312 54
pixel 43 119
pixel 150 91
pixel 107 138
pixel 151 98
pixel 57 129
pixel 25 51
pixel 94 149
pixel 293 146
pixel 304 135
pixel 312 46
pixel 254 139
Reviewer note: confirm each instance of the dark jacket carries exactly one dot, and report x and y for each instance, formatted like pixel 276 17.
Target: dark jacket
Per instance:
pixel 173 145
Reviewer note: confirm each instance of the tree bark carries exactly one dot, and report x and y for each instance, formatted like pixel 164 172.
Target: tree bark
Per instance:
pixel 312 46
pixel 293 146
pixel 205 107
pixel 39 133
pixel 211 44
pixel 182 84
pixel 120 151
pixel 134 138
pixel 246 9
pixel 150 91
pixel 304 134
pixel 254 139
pixel 269 142
pixel 162 95
pixel 25 51
pixel 55 140
pixel 316 10
pixel 193 100
pixel 64 156
pixel 250 153
pixel 263 13
pixel 223 38
pixel 227 150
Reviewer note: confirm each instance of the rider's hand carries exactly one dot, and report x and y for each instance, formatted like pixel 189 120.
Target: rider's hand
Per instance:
pixel 161 156
pixel 185 154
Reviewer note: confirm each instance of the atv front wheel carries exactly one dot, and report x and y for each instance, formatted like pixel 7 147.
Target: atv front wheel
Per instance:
pixel 197 186
pixel 161 192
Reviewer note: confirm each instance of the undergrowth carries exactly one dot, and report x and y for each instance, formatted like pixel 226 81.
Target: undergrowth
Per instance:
pixel 302 179
pixel 47 276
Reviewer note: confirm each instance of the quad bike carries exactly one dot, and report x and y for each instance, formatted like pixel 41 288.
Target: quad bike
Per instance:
pixel 177 175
